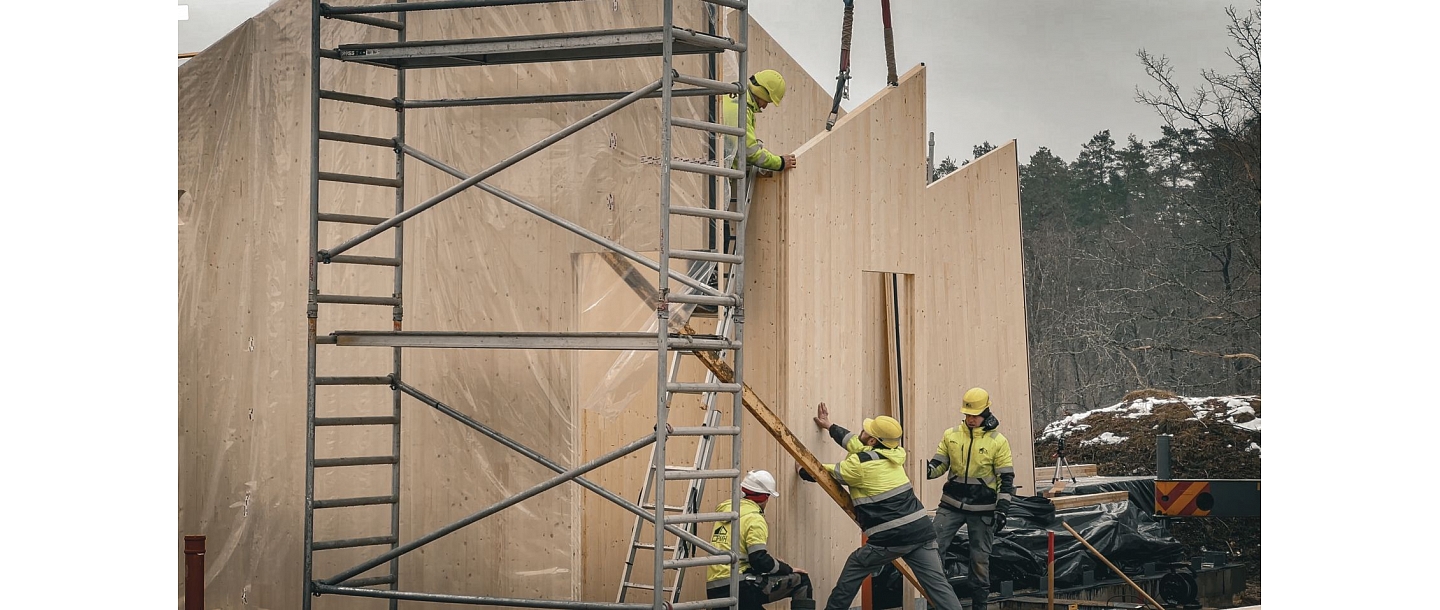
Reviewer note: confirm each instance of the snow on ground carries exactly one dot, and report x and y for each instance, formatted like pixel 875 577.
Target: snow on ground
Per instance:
pixel 1203 408
pixel 1105 438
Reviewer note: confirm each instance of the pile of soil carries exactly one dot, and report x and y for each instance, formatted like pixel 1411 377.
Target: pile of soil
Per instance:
pixel 1214 438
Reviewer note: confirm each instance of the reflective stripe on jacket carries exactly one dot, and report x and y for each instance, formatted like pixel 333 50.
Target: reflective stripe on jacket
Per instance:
pixel 981 472
pixel 885 502
pixel 755 151
pixel 753 536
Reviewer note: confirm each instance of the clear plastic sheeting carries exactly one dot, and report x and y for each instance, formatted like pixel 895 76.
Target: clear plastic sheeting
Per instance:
pixel 1128 536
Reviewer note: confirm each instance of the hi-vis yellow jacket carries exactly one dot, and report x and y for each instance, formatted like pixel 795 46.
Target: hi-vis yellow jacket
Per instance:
pixel 755 151
pixel 981 472
pixel 753 535
pixel 885 502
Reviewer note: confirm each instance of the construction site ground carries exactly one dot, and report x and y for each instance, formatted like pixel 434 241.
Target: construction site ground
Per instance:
pixel 1214 438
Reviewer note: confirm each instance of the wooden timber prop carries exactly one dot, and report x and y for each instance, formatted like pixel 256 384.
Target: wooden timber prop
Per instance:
pixel 757 407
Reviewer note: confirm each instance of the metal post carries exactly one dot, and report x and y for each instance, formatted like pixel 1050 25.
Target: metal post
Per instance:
pixel 1162 457
pixel 662 306
pixel 312 307
pixel 194 573
pixel 398 313
pixel 930 161
pixel 736 287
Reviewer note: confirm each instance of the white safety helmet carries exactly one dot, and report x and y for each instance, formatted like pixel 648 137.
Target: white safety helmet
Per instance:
pixel 760 481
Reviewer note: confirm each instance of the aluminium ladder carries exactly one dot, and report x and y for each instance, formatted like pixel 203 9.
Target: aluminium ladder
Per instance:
pixel 689 511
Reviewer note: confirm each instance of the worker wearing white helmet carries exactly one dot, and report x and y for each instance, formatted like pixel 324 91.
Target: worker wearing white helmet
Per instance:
pixel 764 579
pixel 765 87
pixel 891 517
pixel 979 488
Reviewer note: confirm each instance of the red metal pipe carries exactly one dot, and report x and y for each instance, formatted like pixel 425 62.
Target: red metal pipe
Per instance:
pixel 194 573
pixel 1050 565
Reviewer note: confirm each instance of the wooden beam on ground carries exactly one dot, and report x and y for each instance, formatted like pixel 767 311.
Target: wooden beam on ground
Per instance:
pixel 1090 499
pixel 757 407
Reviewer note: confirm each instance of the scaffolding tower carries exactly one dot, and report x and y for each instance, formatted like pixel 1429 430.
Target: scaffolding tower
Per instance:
pixel 692 289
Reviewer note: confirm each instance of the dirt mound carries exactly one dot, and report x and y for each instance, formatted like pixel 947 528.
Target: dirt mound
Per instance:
pixel 1214 438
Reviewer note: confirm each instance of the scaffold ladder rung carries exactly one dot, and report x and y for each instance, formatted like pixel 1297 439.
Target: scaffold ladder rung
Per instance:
pixel 347 502
pixel 355 138
pixel 378 261
pixel 709 170
pixel 724 473
pixel 365 460
pixel 707 126
pixel 705 255
pixel 681 210
pixel 358 179
pixel 702 388
pixel 353 98
pixel 325 545
pixel 356 421
pixel 706 83
pixel 353 219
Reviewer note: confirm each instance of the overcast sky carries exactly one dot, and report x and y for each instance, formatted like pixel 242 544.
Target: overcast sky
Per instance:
pixel 1047 73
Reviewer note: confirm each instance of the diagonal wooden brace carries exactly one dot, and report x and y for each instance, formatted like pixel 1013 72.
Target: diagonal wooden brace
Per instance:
pixel 757 407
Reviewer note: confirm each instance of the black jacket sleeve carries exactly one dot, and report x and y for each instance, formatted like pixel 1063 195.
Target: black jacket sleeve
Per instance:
pixel 838 433
pixel 762 563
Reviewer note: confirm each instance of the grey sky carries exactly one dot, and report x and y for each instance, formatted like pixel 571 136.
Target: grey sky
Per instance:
pixel 1048 73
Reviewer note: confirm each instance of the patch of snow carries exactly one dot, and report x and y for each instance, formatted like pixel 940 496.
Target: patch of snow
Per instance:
pixel 1252 425
pixel 1105 438
pixel 1253 447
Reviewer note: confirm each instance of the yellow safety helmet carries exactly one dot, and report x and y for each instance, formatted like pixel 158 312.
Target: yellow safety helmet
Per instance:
pixel 885 428
pixel 769 85
pixel 976 401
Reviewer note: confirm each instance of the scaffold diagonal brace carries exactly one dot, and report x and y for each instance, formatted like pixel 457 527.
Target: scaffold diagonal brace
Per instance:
pixel 327 255
pixel 564 223
pixel 542 460
pixel 492 509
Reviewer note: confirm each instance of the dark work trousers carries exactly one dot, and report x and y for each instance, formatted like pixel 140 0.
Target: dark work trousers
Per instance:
pixel 756 591
pixel 981 529
pixel 923 559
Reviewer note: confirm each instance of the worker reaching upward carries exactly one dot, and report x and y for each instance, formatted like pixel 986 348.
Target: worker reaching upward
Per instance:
pixel 766 87
pixel 893 522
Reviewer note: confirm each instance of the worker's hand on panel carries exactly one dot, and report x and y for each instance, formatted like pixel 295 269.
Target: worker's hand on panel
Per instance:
pixel 822 417
pixel 789 162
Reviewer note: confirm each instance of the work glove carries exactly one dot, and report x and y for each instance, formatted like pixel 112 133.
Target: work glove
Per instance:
pixel 1000 519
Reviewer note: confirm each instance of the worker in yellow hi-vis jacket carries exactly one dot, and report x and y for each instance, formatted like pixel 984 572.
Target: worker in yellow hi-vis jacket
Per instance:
pixel 979 488
pixel 763 578
pixel 766 87
pixel 892 518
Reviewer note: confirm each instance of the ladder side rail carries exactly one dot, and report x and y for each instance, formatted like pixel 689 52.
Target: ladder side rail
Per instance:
pixel 662 307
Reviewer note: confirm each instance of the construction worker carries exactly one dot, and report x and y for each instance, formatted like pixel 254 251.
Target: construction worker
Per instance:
pixel 890 515
pixel 764 578
pixel 980 486
pixel 766 87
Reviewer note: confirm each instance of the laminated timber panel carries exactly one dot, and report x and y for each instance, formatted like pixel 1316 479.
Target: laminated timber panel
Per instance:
pixel 857 204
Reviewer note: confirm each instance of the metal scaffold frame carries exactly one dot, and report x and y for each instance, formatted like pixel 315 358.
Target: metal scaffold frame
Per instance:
pixel 694 288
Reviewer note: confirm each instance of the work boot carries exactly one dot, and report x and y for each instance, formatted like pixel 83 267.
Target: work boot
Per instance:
pixel 978 602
